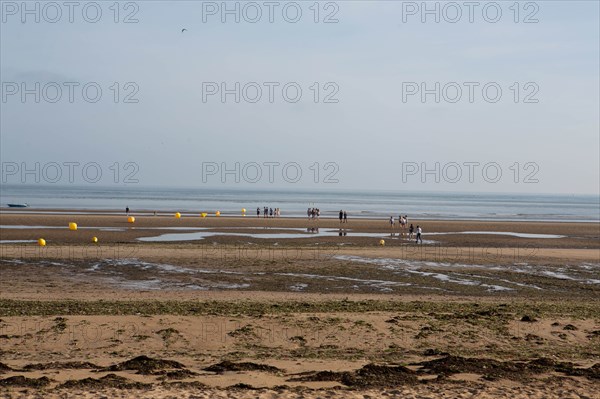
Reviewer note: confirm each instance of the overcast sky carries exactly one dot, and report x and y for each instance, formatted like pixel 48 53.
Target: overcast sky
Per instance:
pixel 361 114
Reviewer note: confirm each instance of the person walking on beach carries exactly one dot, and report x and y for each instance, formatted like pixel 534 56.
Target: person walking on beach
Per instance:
pixel 411 229
pixel 127 210
pixel 345 217
pixel 257 212
pixel 341 215
pixel 392 222
pixel 419 231
pixel 270 212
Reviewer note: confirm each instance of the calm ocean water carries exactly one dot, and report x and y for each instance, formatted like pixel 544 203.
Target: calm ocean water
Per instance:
pixel 422 205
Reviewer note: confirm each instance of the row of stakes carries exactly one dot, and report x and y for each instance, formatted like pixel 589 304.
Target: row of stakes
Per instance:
pixel 131 219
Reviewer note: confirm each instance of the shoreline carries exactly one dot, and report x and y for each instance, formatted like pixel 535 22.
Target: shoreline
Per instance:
pixel 148 215
pixel 112 229
pixel 237 214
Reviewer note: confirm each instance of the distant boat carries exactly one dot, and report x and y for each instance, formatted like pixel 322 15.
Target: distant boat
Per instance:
pixel 18 205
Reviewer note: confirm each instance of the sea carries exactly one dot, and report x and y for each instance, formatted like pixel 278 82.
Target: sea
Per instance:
pixel 294 203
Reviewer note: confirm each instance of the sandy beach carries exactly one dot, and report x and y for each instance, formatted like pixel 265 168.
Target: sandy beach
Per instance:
pixel 207 199
pixel 238 307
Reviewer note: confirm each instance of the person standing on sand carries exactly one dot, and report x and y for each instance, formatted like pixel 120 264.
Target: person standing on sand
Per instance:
pixel 341 215
pixel 127 210
pixel 411 229
pixel 345 217
pixel 392 222
pixel 257 212
pixel 419 231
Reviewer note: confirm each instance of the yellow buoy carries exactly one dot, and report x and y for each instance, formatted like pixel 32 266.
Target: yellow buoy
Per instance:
pixel 72 226
pixel 131 219
pixel 177 215
pixel 243 210
pixel 94 239
pixel 41 242
pixel 218 213
pixel 203 214
pixel 382 242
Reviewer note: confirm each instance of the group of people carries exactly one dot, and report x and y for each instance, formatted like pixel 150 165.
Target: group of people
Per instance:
pixel 268 212
pixel 313 213
pixel 403 221
pixel 343 217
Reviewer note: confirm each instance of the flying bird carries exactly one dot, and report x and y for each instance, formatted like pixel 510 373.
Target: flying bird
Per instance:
pixel 183 30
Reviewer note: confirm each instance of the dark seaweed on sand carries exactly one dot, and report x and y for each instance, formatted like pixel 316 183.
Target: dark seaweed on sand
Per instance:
pixel 145 365
pixel 108 381
pixel 5 368
pixel 247 366
pixel 371 375
pixel 60 365
pixel 22 381
pixel 493 369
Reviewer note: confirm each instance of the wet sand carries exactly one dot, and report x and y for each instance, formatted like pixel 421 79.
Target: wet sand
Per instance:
pixel 310 316
pixel 116 229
